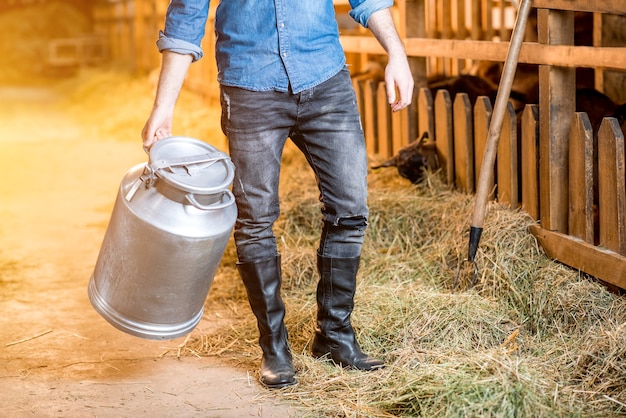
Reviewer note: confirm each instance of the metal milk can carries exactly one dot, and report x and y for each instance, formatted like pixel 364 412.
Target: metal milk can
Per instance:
pixel 170 225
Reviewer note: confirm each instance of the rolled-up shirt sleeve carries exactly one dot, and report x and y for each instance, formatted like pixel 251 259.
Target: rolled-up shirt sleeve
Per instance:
pixel 179 46
pixel 185 24
pixel 363 9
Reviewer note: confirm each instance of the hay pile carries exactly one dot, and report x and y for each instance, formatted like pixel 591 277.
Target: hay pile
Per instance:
pixel 531 338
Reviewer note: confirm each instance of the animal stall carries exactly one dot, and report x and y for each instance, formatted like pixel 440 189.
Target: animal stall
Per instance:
pixel 551 161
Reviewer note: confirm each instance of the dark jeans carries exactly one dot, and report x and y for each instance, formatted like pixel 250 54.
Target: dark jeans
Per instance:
pixel 324 124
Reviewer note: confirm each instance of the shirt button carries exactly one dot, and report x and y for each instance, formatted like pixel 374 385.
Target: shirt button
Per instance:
pixel 282 25
pixel 284 55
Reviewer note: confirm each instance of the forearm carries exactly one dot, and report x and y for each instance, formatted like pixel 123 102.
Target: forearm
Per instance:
pixel 174 69
pixel 383 28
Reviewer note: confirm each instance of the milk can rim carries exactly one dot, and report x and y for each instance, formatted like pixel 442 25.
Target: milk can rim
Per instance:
pixel 202 146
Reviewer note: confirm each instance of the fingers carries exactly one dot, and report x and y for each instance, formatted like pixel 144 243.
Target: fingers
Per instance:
pixel 399 88
pixel 399 98
pixel 162 133
pixel 150 136
pixel 391 93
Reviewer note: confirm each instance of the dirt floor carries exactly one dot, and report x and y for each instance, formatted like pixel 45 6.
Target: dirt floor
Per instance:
pixel 58 357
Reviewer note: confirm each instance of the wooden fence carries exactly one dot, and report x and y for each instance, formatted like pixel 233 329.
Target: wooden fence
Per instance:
pixel 553 177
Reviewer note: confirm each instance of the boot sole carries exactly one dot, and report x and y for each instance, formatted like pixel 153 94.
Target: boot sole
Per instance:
pixel 279 385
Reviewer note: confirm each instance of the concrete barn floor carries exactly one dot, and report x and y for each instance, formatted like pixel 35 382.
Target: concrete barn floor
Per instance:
pixel 58 357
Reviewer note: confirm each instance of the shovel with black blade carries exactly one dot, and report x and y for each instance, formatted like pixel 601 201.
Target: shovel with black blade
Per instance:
pixel 495 128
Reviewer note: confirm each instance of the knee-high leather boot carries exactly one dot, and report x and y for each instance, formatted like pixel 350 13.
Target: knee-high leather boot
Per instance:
pixel 262 280
pixel 334 336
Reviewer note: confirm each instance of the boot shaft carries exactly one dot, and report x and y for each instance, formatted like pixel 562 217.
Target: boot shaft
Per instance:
pixel 262 280
pixel 334 336
pixel 335 291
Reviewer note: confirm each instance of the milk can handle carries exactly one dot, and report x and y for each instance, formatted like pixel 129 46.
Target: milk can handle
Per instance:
pixel 192 199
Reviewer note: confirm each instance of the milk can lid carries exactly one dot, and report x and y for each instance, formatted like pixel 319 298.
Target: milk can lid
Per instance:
pixel 191 165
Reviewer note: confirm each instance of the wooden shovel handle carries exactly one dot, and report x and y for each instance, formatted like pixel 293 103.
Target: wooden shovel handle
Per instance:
pixel 495 126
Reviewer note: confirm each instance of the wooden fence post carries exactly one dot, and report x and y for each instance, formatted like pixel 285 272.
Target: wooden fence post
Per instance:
pixel 581 157
pixel 611 186
pixel 425 120
pixel 383 113
pixel 506 161
pixel 557 104
pixel 444 134
pixel 482 118
pixel 463 143
pixel 530 160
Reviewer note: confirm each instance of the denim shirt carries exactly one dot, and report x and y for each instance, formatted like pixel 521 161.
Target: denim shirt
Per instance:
pixel 282 45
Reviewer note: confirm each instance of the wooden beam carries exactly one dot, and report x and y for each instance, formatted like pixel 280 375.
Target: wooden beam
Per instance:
pixel 557 89
pixel 531 52
pixel 599 6
pixel 599 262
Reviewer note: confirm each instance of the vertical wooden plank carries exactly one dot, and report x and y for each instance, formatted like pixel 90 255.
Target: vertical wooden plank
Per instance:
pixel 446 20
pixel 444 134
pixel 406 117
pixel 581 179
pixel 369 116
pixel 415 26
pixel 430 18
pixel 502 16
pixel 487 20
pixel 612 187
pixel 530 160
pixel 397 139
pixel 597 41
pixel 446 32
pixel 482 118
pixel 425 117
pixel 460 20
pixel 557 104
pixel 439 69
pixel 463 143
pixel 507 167
pixel 461 31
pixel 383 116
pixel 476 25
